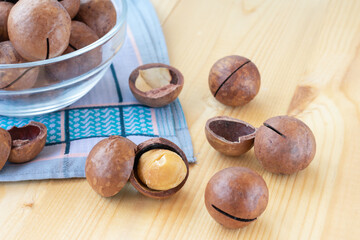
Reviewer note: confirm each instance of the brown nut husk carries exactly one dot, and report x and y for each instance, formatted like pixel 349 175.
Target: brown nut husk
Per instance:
pixel 99 15
pixel 230 136
pixel 81 36
pixel 5 8
pixel 109 165
pixel 156 143
pixel 234 80
pixel 15 78
pixel 157 97
pixel 39 29
pixel 5 146
pixel 27 141
pixel 284 145
pixel 236 197
pixel 71 6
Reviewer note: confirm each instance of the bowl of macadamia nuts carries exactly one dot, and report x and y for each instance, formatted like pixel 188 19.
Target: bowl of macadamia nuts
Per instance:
pixel 53 52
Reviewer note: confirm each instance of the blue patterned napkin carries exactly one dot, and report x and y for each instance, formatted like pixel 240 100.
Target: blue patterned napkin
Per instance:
pixel 108 109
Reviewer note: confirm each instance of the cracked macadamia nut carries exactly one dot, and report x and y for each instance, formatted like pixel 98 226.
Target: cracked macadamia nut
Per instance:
pixel 161 169
pixel 156 84
pixel 5 146
pixel 158 171
pixel 27 141
pixel 109 165
pixel 284 145
pixel 99 15
pixel 5 8
pixel 71 6
pixel 39 29
pixel 81 36
pixel 236 197
pixel 234 80
pixel 157 167
pixel 15 78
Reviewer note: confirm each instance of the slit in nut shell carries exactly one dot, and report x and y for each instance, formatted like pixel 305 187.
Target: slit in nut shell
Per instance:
pixel 156 84
pixel 230 136
pixel 27 142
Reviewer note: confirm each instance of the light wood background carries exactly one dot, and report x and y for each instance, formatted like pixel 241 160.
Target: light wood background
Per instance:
pixel 308 54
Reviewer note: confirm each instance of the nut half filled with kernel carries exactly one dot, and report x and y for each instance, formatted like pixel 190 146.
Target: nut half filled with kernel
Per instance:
pixel 156 84
pixel 160 168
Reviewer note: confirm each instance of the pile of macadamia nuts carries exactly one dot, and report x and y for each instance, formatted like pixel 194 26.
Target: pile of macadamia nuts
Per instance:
pixel 236 196
pixel 43 29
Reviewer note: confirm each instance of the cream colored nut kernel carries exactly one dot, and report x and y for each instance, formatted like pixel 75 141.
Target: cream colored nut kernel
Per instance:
pixel 161 169
pixel 152 78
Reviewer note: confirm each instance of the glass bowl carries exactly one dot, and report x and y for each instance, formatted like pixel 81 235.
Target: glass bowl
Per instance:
pixel 76 74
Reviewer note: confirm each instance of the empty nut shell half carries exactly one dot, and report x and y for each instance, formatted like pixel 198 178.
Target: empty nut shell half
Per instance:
pixel 157 97
pixel 5 146
pixel 230 136
pixel 156 143
pixel 109 165
pixel 27 141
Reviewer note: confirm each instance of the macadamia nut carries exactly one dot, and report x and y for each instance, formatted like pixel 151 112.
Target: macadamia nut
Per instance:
pixel 161 169
pixel 39 29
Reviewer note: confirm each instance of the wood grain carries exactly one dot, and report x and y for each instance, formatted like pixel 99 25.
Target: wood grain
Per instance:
pixel 308 54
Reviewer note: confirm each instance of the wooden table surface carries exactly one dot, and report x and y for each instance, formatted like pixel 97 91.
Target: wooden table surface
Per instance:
pixel 308 54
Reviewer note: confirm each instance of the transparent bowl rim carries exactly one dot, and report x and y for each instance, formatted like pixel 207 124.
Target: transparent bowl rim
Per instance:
pixel 121 19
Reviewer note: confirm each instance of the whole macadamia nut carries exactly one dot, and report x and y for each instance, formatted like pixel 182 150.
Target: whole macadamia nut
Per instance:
pixel 236 197
pixel 81 36
pixel 99 15
pixel 284 145
pixel 39 29
pixel 109 165
pixel 5 8
pixel 15 78
pixel 234 80
pixel 71 6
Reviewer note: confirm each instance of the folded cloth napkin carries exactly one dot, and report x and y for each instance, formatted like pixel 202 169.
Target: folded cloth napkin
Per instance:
pixel 108 109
